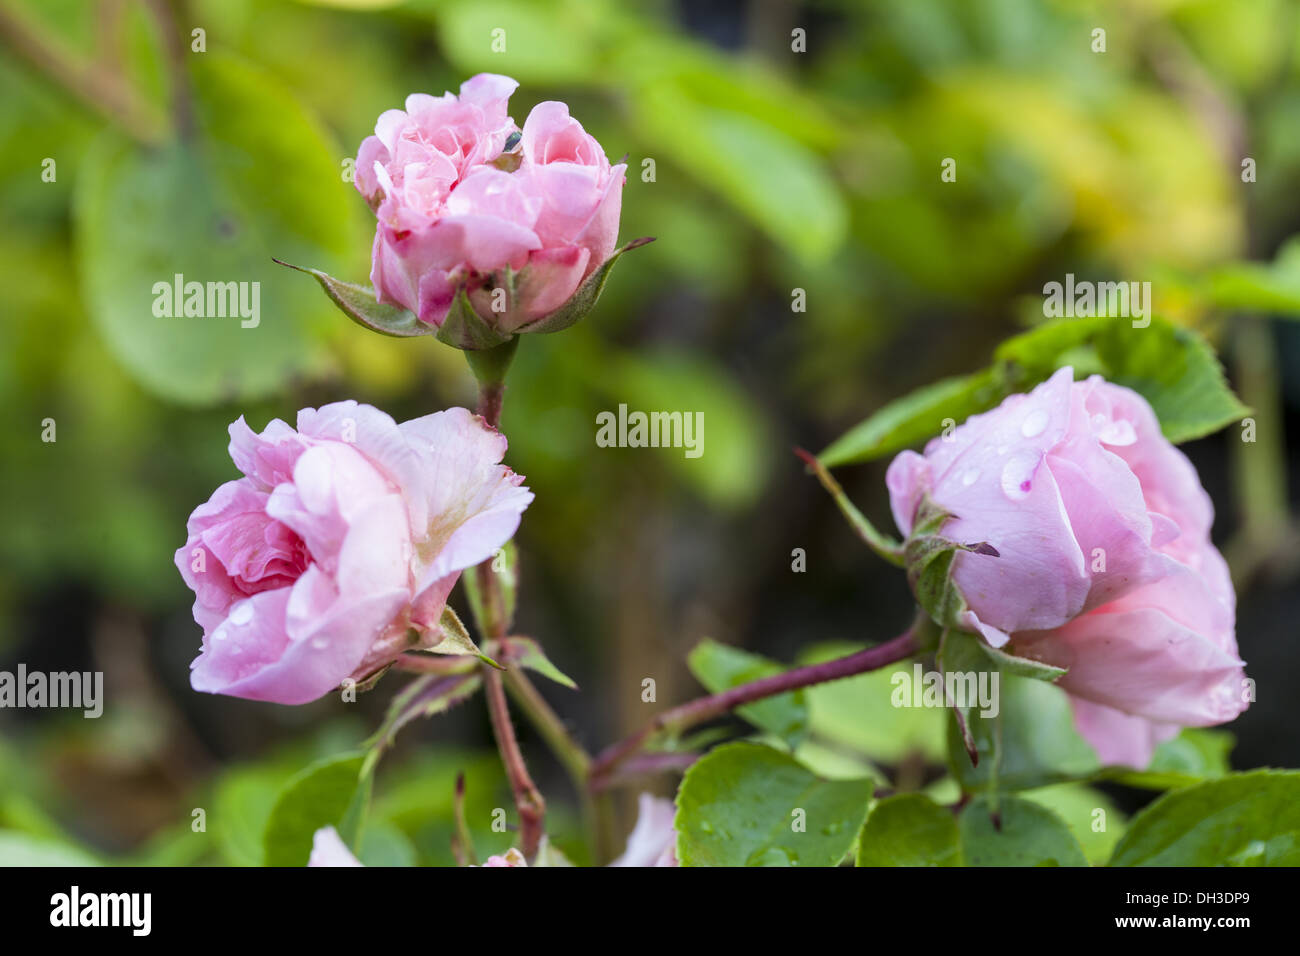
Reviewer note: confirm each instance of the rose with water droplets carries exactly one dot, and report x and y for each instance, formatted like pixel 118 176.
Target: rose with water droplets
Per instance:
pixel 517 231
pixel 1095 556
pixel 336 550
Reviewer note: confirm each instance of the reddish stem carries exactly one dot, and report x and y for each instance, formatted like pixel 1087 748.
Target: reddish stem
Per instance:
pixel 528 800
pixel 706 708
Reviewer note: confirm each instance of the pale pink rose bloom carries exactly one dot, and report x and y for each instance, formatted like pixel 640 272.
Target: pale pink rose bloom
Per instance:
pixel 653 841
pixel 451 218
pixel 1104 562
pixel 328 849
pixel 511 857
pixel 342 536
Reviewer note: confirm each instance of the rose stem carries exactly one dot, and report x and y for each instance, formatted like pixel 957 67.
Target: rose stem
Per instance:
pixel 706 708
pixel 885 546
pixel 489 368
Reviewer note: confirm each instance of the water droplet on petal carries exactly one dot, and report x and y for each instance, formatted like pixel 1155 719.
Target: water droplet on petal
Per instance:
pixel 971 476
pixel 1034 423
pixel 241 613
pixel 1119 433
pixel 320 644
pixel 219 634
pixel 1018 474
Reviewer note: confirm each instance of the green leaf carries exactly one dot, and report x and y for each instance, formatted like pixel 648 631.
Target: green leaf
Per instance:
pixel 1030 743
pixel 1038 351
pixel 241 806
pixel 359 304
pixel 1272 287
pixel 1176 371
pixel 540 44
pixel 214 209
pixel 526 652
pixel 321 795
pixel 1246 819
pixel 425 696
pixel 719 667
pixel 914 418
pixel 1173 368
pixel 779 184
pixel 1021 834
pixel 909 830
pixel 1078 805
pixel 745 804
pixel 385 845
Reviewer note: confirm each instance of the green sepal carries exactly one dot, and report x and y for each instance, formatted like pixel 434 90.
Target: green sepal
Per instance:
pixel 463 328
pixel 928 557
pixel 453 638
pixel 584 299
pixel 358 303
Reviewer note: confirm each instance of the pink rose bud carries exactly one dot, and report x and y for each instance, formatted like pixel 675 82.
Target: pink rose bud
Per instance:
pixel 480 242
pixel 336 551
pixel 1079 536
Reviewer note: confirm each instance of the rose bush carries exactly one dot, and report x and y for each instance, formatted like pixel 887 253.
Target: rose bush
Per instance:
pixel 1091 551
pixel 336 550
pixel 517 231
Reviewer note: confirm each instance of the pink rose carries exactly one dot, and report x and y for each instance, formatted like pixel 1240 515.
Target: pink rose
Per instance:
pixel 1097 557
pixel 328 849
pixel 511 857
pixel 517 232
pixel 337 549
pixel 653 841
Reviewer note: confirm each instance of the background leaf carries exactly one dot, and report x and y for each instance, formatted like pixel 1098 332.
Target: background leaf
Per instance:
pixel 1247 819
pixel 262 180
pixel 735 808
pixel 1028 835
pixel 319 796
pixel 909 830
pixel 913 419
